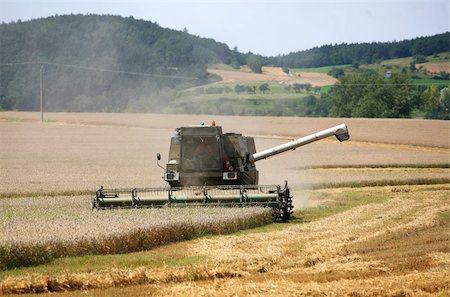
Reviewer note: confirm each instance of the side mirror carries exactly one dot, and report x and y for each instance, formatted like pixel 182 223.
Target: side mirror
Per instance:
pixel 158 158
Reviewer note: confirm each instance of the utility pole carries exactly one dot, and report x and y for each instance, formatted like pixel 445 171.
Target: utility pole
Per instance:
pixel 42 92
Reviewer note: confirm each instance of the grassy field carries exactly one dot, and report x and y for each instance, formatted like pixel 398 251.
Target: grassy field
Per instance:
pixel 371 214
pixel 405 62
pixel 324 69
pixel 427 82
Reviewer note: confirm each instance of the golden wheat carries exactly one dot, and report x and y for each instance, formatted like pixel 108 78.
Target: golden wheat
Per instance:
pixel 75 151
pixel 36 230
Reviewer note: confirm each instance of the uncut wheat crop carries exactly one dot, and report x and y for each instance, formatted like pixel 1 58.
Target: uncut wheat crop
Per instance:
pixel 37 230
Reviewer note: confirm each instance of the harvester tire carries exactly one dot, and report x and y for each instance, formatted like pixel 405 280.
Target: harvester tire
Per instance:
pixel 286 204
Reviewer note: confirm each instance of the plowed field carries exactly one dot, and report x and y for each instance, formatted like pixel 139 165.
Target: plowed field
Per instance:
pixel 274 74
pixel 435 67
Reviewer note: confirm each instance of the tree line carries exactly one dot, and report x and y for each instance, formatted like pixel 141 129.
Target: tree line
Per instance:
pixel 371 95
pixel 362 53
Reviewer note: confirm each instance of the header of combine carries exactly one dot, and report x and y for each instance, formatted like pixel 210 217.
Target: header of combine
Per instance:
pixel 203 155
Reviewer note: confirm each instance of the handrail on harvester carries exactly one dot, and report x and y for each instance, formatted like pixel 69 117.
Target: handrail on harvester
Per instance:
pixel 340 131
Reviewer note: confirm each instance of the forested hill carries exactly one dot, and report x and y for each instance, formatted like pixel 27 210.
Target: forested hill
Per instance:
pixel 363 53
pixel 100 42
pixel 107 40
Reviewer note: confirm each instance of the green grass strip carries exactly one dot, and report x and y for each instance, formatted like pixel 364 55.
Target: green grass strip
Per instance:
pixel 382 183
pixel 381 166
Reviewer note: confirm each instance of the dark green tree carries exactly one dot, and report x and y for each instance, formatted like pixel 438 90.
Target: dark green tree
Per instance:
pixel 371 96
pixel 264 87
pixel 437 103
pixel 336 72
pixel 254 62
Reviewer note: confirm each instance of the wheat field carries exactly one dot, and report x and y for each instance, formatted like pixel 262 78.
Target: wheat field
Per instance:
pixel 395 247
pixel 79 152
pixel 394 243
pixel 40 229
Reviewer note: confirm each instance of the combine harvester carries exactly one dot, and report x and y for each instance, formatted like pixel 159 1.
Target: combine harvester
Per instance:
pixel 209 168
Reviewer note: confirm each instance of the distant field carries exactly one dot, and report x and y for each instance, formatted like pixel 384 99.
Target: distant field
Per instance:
pixel 324 69
pixel 435 67
pixel 431 82
pixel 273 74
pixel 405 62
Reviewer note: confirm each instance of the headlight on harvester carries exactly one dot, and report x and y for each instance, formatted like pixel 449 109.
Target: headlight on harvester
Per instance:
pixel 229 175
pixel 170 176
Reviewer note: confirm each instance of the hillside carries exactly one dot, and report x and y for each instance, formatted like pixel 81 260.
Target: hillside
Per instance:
pixel 93 62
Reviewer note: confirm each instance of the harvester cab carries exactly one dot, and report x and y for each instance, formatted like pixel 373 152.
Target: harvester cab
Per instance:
pixel 204 156
pixel 207 167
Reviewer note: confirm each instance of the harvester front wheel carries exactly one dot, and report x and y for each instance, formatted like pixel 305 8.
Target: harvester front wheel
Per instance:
pixel 285 204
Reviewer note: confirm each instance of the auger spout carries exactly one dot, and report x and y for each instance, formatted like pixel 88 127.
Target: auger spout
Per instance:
pixel 340 131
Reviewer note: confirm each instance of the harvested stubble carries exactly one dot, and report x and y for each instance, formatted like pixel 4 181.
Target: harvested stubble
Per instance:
pixel 113 278
pixel 334 256
pixel 37 230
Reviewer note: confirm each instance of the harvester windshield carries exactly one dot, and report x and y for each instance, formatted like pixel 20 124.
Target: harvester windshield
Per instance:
pixel 200 153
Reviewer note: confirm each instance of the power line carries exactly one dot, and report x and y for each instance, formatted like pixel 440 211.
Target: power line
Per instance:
pixel 23 63
pixel 103 70
pixel 193 78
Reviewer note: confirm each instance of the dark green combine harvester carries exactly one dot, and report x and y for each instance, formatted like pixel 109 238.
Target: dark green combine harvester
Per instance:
pixel 209 168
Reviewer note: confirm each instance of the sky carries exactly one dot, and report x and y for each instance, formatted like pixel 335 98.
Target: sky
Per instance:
pixel 266 27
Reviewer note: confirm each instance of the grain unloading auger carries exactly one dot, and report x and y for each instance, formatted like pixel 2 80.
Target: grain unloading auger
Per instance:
pixel 209 168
